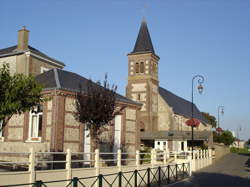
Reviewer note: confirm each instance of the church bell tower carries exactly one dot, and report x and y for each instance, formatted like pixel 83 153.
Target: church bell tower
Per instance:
pixel 143 79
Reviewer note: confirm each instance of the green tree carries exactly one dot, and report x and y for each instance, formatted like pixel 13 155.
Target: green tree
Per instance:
pixel 225 137
pixel 18 93
pixel 96 108
pixel 211 119
pixel 248 142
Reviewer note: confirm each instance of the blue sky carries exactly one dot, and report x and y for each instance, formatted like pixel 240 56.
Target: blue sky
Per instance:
pixel 208 37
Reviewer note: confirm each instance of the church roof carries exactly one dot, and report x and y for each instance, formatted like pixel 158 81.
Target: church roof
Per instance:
pixel 10 51
pixel 143 43
pixel 69 81
pixel 181 106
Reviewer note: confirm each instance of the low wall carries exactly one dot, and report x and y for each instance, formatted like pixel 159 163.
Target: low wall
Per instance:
pixel 220 151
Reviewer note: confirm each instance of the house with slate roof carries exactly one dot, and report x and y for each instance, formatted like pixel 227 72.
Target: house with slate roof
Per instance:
pixel 52 126
pixel 163 114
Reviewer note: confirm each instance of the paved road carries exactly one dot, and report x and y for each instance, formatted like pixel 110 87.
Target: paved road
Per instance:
pixel 233 170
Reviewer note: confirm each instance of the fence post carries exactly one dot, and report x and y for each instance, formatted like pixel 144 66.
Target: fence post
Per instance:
pixel 38 183
pixel 32 163
pixel 159 175
pixel 120 179
pixel 183 170
pixel 152 158
pixel 165 157
pixel 190 161
pixel 100 180
pixel 135 178
pixel 176 172
pixel 97 162
pixel 168 180
pixel 68 164
pixel 210 156
pixel 137 158
pixel 175 155
pixel 75 181
pixel 119 160
pixel 148 182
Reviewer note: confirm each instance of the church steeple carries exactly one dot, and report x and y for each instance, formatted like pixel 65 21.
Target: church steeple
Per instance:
pixel 143 43
pixel 143 79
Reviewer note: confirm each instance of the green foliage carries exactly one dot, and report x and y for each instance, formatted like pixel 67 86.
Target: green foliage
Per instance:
pixel 211 119
pixel 145 155
pixel 96 106
pixel 225 137
pixel 239 150
pixel 18 94
pixel 248 142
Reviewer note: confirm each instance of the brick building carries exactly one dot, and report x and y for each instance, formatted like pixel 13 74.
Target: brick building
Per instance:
pixel 51 126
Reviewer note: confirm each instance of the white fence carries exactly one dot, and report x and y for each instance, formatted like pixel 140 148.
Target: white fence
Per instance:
pixel 99 163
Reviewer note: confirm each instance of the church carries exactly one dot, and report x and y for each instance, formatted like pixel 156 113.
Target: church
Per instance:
pixel 163 114
pixel 152 116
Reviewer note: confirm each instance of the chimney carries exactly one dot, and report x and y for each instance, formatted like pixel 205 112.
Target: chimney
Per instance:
pixel 23 39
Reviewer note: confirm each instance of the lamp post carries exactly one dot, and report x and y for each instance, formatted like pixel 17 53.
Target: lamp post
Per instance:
pixel 200 89
pixel 220 111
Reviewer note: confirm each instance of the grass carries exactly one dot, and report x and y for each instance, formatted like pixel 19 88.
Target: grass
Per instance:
pixel 239 150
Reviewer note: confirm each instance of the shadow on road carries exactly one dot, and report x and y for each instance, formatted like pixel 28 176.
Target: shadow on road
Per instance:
pixel 217 179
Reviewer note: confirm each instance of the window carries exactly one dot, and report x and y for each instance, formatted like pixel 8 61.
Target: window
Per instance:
pixel 137 68
pixel 35 123
pixel 138 97
pixel 142 67
pixel 158 143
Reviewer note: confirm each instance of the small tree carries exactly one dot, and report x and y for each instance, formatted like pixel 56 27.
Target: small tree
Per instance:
pixel 225 137
pixel 96 108
pixel 18 94
pixel 211 119
pixel 248 142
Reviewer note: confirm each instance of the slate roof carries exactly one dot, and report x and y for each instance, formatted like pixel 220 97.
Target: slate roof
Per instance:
pixel 69 81
pixel 143 43
pixel 181 106
pixel 9 51
pixel 175 135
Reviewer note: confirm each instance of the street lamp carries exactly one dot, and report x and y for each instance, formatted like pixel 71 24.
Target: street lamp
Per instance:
pixel 220 111
pixel 200 89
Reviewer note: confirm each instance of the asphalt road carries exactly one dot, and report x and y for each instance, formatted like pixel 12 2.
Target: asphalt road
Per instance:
pixel 233 170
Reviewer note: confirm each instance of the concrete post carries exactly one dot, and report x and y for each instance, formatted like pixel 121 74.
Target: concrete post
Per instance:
pixel 175 156
pixel 137 159
pixel 68 164
pixel 32 159
pixel 165 157
pixel 191 166
pixel 119 160
pixel 97 162
pixel 153 157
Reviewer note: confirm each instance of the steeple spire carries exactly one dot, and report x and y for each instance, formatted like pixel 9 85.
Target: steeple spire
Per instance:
pixel 143 43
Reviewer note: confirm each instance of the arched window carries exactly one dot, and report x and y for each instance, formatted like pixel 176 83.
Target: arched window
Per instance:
pixel 142 67
pixel 137 68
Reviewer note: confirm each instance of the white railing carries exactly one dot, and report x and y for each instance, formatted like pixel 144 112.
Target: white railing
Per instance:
pixel 101 160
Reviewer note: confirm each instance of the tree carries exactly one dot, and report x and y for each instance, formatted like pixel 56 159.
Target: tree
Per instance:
pixel 18 93
pixel 248 142
pixel 96 108
pixel 225 137
pixel 211 119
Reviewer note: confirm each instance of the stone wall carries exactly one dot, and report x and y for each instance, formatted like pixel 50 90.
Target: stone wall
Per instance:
pixel 11 61
pixel 220 151
pixel 164 115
